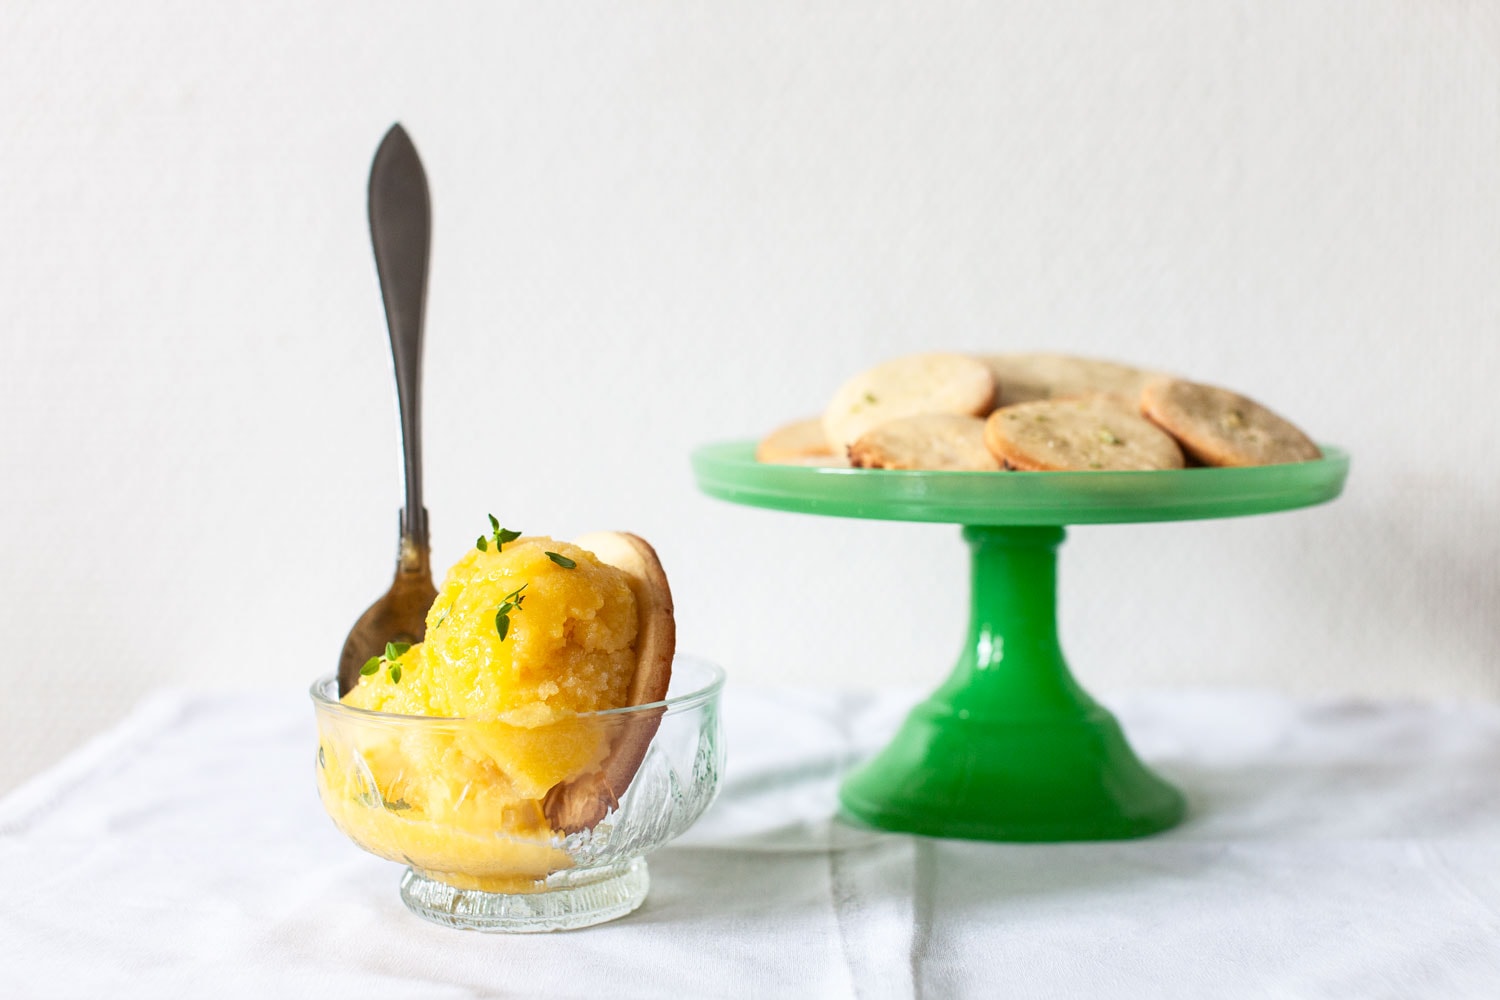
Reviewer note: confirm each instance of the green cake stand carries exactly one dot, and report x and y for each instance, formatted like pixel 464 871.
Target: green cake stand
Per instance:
pixel 1010 747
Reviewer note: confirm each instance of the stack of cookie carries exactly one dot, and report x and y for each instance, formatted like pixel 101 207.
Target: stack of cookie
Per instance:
pixel 1039 412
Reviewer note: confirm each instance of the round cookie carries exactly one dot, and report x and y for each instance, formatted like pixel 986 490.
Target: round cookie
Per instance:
pixel 1021 378
pixel 926 441
pixel 580 803
pixel 819 461
pixel 1088 433
pixel 794 443
pixel 1219 427
pixel 906 387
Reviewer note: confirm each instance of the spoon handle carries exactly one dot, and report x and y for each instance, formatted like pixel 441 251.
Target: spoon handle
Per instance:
pixel 401 232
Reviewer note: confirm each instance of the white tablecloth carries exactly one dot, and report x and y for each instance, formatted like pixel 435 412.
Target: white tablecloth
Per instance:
pixel 1337 849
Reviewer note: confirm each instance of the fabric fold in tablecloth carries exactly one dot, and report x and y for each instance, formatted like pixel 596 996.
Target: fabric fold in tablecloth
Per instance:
pixel 1347 849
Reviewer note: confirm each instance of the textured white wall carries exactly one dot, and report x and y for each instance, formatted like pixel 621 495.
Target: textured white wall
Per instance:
pixel 663 224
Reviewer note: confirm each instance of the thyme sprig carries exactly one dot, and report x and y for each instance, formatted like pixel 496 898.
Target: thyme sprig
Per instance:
pixel 498 535
pixel 393 652
pixel 511 604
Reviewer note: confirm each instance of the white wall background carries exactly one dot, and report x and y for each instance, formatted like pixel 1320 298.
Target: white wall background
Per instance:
pixel 664 224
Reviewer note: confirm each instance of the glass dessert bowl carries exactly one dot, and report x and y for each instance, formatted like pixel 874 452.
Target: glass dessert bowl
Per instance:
pixel 506 827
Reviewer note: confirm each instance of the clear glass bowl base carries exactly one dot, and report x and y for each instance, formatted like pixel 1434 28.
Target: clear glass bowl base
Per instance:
pixel 579 899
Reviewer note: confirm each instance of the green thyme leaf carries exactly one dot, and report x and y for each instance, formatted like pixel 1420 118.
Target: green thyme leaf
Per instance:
pixel 562 561
pixel 371 665
pixel 511 603
pixel 400 647
pixel 497 534
pixel 396 806
pixel 442 617
pixel 395 673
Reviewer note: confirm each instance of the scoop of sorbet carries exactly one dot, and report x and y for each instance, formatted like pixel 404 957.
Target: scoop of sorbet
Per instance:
pixel 527 636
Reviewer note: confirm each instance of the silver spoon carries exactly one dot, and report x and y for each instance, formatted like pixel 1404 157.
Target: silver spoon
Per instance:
pixel 401 232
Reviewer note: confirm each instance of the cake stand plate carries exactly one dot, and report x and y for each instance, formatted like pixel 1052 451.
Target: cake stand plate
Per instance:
pixel 1010 747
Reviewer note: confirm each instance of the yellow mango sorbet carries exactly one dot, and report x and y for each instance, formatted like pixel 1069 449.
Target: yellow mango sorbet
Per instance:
pixel 461 800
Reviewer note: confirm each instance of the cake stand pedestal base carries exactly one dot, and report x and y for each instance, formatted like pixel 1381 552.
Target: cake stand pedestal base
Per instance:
pixel 1010 747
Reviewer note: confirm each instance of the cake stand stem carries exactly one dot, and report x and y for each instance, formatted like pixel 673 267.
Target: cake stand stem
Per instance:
pixel 1010 747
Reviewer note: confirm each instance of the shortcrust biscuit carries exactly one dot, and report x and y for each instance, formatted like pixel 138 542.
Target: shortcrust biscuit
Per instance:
pixel 906 387
pixel 1021 378
pixel 795 442
pixel 926 441
pixel 580 803
pixel 820 461
pixel 1219 427
pixel 1088 433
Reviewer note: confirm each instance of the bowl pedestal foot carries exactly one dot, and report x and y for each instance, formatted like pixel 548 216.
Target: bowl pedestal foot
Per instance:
pixel 565 901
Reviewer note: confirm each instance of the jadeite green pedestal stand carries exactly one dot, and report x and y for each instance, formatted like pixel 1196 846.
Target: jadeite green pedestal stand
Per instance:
pixel 1010 747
